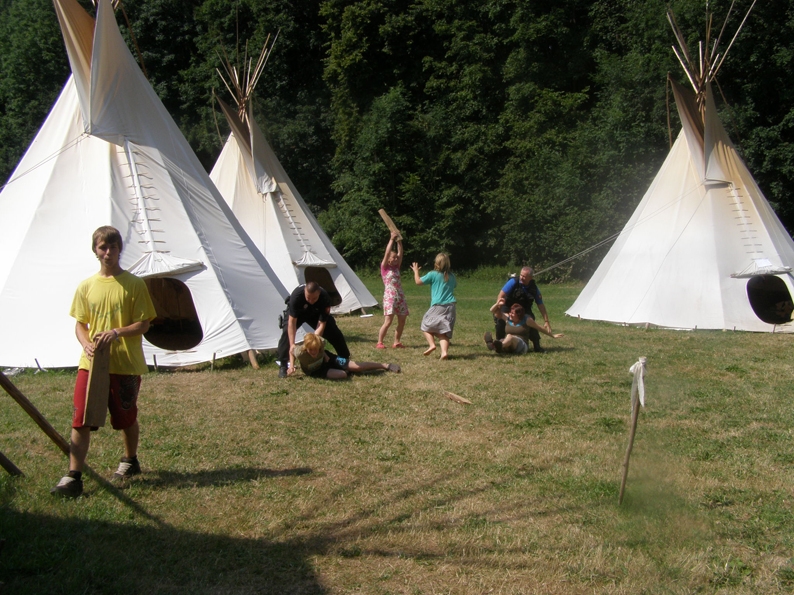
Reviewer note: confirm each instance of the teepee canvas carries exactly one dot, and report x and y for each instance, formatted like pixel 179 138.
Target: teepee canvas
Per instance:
pixel 109 154
pixel 254 184
pixel 703 249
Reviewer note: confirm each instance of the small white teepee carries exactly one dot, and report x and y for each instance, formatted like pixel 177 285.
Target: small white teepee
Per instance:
pixel 254 184
pixel 109 154
pixel 703 249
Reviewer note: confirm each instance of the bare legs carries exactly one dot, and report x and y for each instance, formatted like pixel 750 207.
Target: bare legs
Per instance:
pixel 131 440
pixel 430 338
pixel 78 449
pixel 81 439
pixel 443 342
pixel 387 320
pixel 398 331
pixel 358 367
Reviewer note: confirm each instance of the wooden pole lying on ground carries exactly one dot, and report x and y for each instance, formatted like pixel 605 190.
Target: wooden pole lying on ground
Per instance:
pixel 456 398
pixel 23 401
pixel 6 463
pixel 390 224
pixel 637 400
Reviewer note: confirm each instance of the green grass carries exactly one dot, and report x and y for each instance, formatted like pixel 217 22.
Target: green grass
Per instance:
pixel 380 484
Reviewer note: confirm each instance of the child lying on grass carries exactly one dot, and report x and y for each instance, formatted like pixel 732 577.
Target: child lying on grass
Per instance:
pixel 316 362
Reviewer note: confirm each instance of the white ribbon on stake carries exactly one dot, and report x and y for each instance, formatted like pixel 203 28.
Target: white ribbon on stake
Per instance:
pixel 637 397
pixel 638 384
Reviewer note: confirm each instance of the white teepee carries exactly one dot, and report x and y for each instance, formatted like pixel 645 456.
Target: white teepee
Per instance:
pixel 109 154
pixel 270 208
pixel 703 249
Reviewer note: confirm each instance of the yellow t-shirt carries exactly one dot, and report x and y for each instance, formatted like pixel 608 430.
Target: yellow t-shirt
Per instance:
pixel 107 303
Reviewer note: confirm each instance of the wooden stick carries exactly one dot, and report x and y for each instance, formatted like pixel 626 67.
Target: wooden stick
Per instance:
pixel 252 359
pixel 456 398
pixel 390 224
pixel 23 401
pixel 634 416
pixel 6 463
pixel 96 397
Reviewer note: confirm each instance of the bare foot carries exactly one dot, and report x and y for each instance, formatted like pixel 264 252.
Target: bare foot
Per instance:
pixel 444 356
pixel 430 350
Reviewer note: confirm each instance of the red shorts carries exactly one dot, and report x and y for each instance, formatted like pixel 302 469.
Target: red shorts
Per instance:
pixel 122 399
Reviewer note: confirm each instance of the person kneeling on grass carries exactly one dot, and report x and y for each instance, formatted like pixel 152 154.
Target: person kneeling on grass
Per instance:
pixel 316 362
pixel 517 328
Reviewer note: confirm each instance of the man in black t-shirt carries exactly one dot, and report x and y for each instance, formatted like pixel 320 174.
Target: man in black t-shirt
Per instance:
pixel 309 304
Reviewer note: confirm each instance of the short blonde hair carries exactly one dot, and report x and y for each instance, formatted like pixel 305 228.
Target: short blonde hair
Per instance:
pixel 312 342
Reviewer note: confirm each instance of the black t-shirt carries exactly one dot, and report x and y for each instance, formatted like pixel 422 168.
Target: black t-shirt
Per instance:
pixel 302 310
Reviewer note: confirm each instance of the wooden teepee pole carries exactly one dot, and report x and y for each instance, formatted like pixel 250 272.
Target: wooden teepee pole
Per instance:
pixel 23 401
pixel 6 464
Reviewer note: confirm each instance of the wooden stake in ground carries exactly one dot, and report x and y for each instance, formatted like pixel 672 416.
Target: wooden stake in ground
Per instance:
pixel 637 400
pixel 96 399
pixel 390 224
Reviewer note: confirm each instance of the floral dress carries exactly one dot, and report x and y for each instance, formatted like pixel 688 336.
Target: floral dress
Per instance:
pixel 393 296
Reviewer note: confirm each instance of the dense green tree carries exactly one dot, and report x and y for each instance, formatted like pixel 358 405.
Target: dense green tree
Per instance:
pixel 33 70
pixel 500 131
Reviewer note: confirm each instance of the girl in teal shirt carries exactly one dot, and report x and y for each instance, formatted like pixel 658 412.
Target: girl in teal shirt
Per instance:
pixel 439 320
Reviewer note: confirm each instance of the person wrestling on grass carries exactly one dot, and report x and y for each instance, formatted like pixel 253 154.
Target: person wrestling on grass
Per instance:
pixel 316 362
pixel 517 330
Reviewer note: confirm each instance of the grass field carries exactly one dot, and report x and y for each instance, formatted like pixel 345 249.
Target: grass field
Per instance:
pixel 381 485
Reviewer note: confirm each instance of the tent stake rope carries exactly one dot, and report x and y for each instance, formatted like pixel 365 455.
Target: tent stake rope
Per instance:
pixel 614 236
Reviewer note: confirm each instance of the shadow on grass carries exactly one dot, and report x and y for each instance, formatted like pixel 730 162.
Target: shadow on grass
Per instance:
pixel 45 554
pixel 215 477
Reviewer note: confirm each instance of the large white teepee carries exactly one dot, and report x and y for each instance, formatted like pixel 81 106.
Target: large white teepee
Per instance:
pixel 703 249
pixel 270 208
pixel 109 154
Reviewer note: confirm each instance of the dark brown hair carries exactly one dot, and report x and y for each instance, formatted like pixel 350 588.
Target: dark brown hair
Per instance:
pixel 107 234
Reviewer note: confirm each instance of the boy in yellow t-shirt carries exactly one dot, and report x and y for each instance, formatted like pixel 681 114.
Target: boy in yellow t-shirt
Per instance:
pixel 113 309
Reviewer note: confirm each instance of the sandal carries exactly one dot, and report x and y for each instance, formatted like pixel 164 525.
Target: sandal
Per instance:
pixel 398 345
pixel 380 346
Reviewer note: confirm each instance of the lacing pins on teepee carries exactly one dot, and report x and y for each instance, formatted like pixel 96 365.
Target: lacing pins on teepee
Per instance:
pixel 637 400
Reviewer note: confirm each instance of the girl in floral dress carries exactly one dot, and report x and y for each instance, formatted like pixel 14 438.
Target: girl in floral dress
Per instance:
pixel 394 303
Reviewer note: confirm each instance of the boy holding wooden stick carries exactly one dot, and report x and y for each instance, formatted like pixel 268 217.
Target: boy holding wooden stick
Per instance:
pixel 113 310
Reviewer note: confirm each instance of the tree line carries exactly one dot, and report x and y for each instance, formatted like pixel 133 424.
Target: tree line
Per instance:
pixel 500 131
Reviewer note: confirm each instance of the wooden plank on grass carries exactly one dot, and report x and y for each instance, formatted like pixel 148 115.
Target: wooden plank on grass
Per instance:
pixel 96 399
pixel 456 398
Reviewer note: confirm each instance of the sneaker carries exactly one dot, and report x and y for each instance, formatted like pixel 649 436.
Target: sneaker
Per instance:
pixel 127 468
pixel 489 340
pixel 538 349
pixel 282 372
pixel 380 346
pixel 69 487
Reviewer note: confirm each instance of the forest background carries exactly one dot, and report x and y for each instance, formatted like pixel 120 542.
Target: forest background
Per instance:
pixel 501 131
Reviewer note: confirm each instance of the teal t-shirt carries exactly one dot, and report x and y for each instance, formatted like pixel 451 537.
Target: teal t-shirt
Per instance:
pixel 441 292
